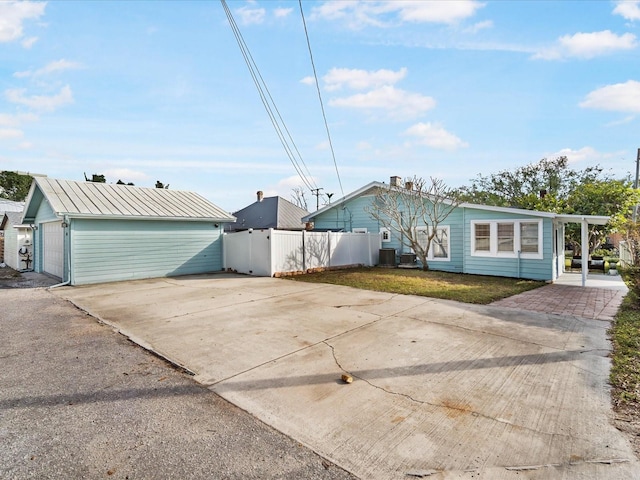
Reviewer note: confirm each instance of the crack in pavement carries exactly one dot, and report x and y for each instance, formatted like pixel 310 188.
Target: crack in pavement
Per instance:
pixel 474 413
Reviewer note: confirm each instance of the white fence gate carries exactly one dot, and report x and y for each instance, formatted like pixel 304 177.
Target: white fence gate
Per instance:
pixel 267 252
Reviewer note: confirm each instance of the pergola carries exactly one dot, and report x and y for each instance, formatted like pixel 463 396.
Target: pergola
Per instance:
pixel 584 221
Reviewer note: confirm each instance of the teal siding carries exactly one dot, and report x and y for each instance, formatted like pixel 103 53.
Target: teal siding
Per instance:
pixel 113 250
pixel 352 214
pixel 534 269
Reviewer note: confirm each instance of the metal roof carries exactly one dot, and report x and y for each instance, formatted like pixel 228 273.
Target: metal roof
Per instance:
pixel 106 200
pixel 10 206
pixel 591 219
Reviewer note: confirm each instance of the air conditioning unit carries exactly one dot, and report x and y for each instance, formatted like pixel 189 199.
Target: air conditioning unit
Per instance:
pixel 407 258
pixel 387 257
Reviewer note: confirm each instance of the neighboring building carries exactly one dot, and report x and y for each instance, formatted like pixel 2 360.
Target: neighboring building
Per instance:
pixel 18 243
pixel 7 206
pixel 86 232
pixel 476 239
pixel 269 212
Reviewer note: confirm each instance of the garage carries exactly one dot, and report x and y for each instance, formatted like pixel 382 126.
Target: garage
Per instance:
pixel 91 232
pixel 53 249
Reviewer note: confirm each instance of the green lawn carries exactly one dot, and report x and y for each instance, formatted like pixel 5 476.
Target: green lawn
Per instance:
pixel 625 360
pixel 478 289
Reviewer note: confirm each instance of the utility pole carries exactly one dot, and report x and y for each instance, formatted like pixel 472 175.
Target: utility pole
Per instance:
pixel 635 184
pixel 316 192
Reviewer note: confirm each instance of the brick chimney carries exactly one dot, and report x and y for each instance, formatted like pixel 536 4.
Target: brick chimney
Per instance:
pixel 395 181
pixel 260 195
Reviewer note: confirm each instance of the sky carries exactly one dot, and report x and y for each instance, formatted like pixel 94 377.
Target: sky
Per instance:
pixel 141 91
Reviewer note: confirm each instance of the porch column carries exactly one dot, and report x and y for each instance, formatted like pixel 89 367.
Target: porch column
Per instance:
pixel 584 231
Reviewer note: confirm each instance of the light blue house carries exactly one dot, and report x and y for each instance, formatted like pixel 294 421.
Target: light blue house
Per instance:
pixel 475 239
pixel 85 232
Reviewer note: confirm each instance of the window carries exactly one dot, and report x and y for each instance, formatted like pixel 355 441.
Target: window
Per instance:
pixel 506 237
pixel 439 248
pixel 482 237
pixel 386 235
pixel 529 237
pixel 510 238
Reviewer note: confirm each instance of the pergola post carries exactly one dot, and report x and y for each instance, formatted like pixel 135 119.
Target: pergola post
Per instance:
pixel 584 231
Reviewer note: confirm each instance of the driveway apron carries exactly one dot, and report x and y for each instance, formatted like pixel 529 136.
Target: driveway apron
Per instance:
pixel 440 389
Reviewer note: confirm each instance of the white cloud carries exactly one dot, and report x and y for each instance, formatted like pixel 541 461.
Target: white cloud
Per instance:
pixel 29 42
pixel 582 155
pixel 51 67
pixel 588 45
pixel 7 120
pixel 11 133
pixel 249 15
pixel 620 97
pixel 435 11
pixel 40 102
pixel 282 12
pixel 476 27
pixel 629 9
pixel 12 16
pixel 400 104
pixel 359 14
pixel 435 136
pixel 308 80
pixel 361 79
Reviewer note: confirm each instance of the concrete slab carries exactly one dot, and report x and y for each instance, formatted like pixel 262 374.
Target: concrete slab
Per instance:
pixel 440 389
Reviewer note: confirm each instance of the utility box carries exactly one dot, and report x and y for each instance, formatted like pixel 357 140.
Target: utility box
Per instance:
pixel 387 257
pixel 408 260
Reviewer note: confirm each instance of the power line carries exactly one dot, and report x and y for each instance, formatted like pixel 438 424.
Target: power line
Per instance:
pixel 324 116
pixel 269 104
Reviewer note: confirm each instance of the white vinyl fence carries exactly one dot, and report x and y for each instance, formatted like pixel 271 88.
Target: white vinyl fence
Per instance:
pixel 267 252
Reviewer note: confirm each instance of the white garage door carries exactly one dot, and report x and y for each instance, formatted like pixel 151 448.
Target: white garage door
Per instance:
pixel 52 252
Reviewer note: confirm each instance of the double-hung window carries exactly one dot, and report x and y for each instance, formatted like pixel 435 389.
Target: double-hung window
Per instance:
pixel 439 250
pixel 506 238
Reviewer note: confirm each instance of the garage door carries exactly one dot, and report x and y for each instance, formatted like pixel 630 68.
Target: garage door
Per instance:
pixel 52 251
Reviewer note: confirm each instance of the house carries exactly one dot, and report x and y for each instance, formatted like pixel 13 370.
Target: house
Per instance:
pixel 7 206
pixel 18 244
pixel 269 212
pixel 85 232
pixel 475 239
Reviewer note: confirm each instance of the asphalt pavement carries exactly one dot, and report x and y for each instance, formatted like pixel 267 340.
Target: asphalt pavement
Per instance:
pixel 80 401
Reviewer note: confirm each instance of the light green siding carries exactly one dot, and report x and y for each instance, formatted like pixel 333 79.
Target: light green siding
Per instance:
pixel 112 250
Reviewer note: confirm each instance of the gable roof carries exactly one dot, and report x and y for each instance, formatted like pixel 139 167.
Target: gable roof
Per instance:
pixel 10 219
pixel 270 212
pixel 10 206
pixel 105 200
pixel 591 219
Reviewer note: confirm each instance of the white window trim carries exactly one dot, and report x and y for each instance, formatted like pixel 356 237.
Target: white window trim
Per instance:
pixel 430 256
pixel 493 239
pixel 386 231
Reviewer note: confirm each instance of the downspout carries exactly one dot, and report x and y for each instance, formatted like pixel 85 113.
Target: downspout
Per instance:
pixel 67 246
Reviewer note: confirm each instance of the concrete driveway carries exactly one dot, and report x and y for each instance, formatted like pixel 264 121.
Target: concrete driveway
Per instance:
pixel 440 389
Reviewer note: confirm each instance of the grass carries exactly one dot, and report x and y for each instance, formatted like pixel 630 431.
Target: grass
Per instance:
pixel 479 289
pixel 625 359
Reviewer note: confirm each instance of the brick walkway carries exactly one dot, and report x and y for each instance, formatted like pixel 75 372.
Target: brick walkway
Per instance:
pixel 583 302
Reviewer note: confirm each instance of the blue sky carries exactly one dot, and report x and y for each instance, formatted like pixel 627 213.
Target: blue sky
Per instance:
pixel 158 90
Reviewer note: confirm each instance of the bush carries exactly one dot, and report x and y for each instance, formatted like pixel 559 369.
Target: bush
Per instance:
pixel 631 276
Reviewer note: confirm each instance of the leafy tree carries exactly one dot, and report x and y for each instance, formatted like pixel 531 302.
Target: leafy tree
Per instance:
pixel 552 186
pixel 96 178
pixel 120 182
pixel 14 186
pixel 159 184
pixel 406 211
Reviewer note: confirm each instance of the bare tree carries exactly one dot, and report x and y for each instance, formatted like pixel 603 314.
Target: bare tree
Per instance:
pixel 414 212
pixel 298 198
